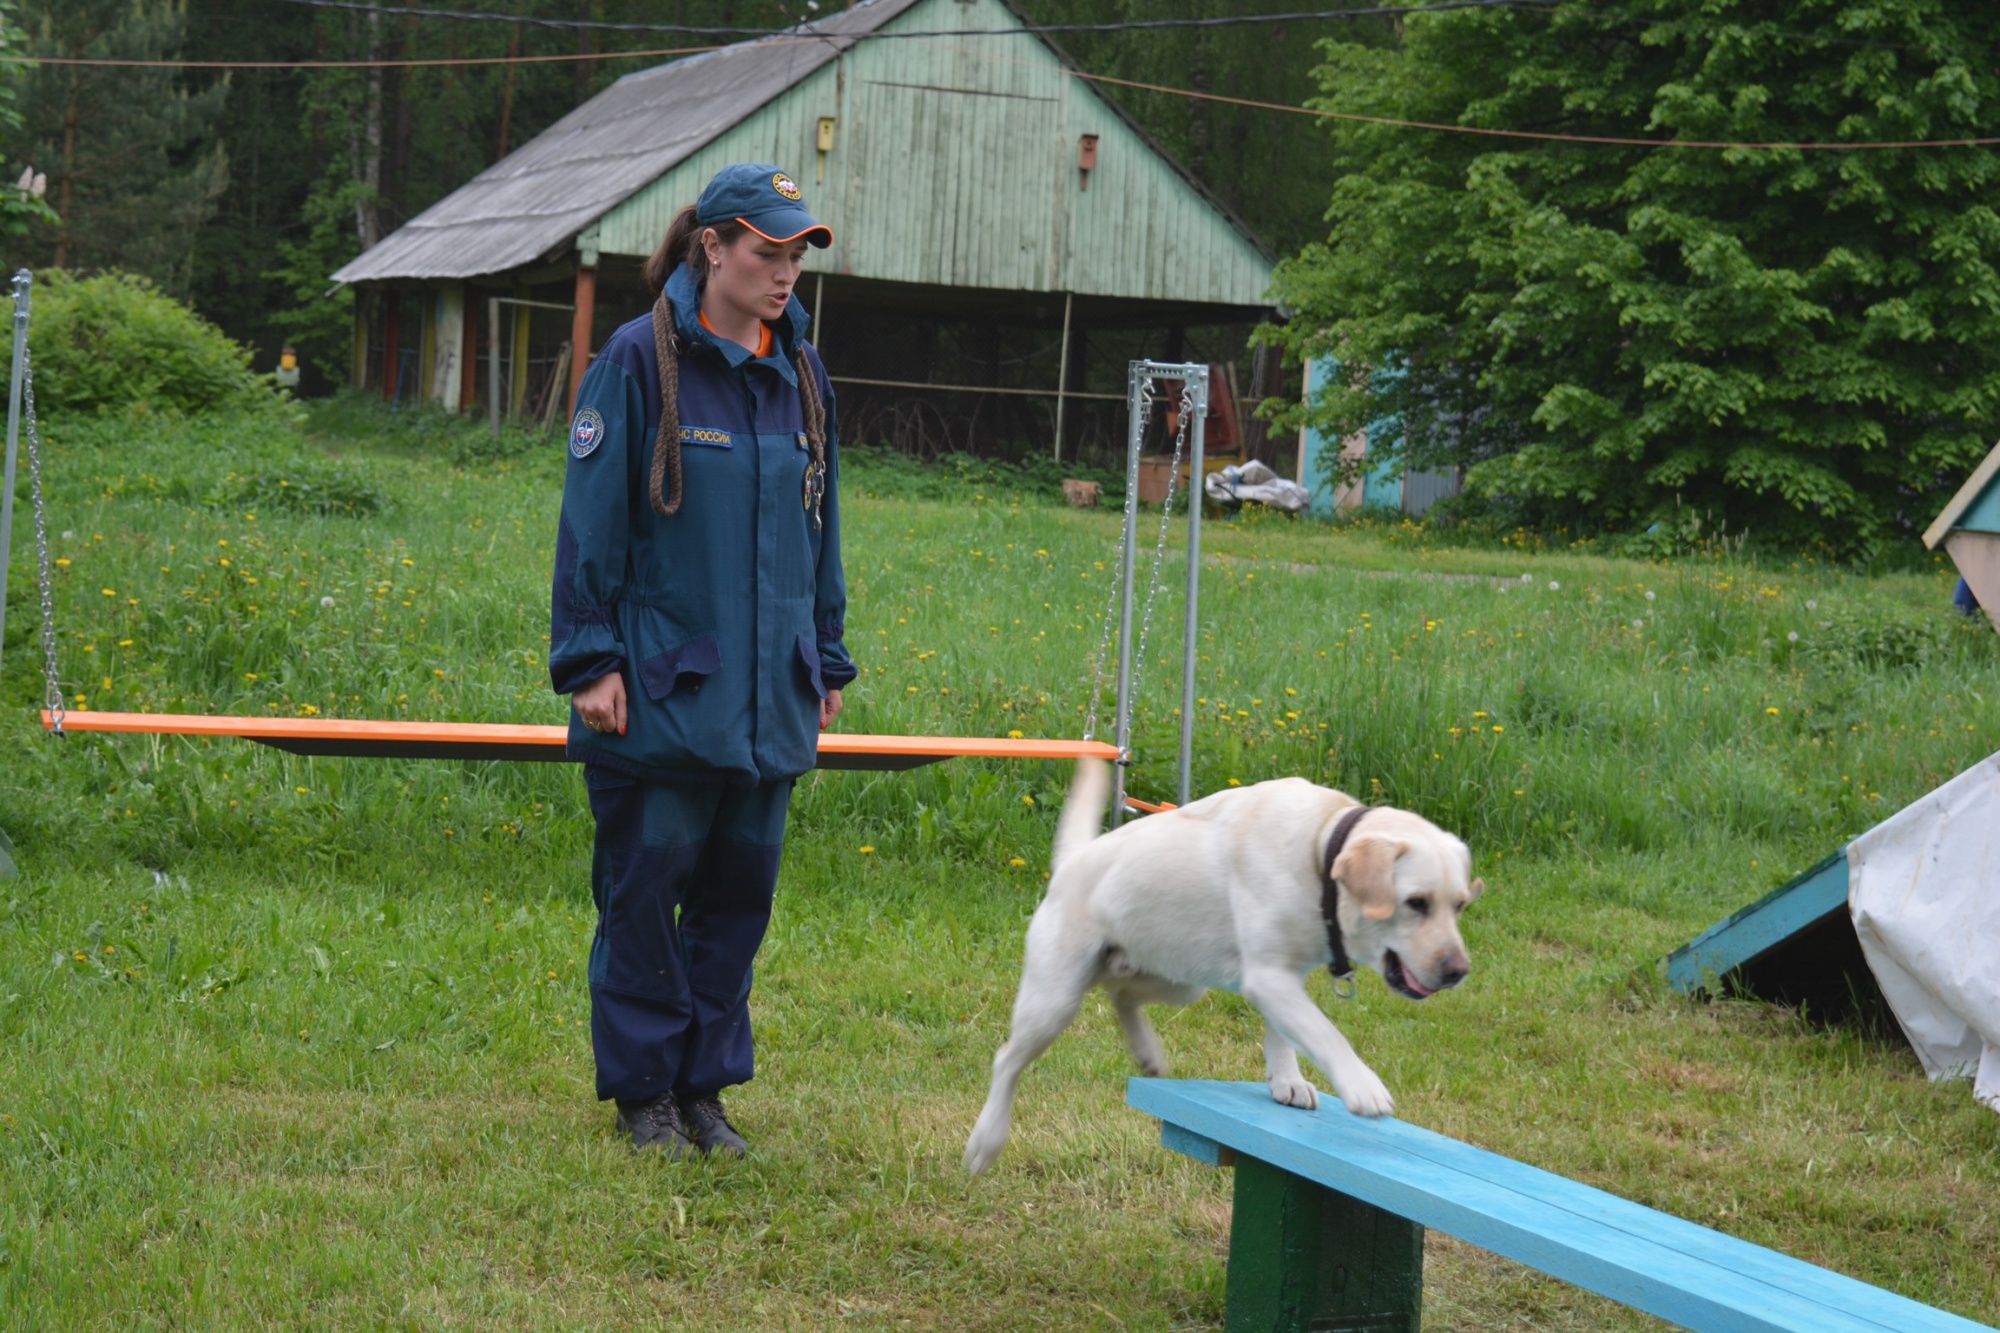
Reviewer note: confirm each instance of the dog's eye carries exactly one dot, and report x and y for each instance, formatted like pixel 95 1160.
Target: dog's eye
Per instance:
pixel 1421 906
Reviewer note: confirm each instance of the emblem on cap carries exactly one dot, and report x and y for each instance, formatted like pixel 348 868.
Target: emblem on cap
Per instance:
pixel 783 185
pixel 588 432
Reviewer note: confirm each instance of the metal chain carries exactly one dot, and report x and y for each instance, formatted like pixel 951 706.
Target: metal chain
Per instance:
pixel 1160 547
pixel 1117 576
pixel 52 697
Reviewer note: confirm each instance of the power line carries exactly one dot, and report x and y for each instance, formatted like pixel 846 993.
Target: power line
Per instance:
pixel 1129 25
pixel 805 34
pixel 1545 136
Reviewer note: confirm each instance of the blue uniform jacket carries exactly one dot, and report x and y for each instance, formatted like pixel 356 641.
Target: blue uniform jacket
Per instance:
pixel 726 618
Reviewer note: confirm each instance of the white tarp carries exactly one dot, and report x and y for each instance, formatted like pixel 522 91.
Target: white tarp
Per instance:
pixel 1255 481
pixel 1924 890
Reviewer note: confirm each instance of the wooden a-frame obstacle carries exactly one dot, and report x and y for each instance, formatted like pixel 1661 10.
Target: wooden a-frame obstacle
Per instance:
pixel 1797 944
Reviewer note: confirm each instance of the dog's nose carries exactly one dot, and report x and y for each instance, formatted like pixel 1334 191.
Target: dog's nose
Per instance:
pixel 1452 973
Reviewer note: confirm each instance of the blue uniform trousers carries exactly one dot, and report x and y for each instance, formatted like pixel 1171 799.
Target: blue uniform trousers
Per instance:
pixel 683 875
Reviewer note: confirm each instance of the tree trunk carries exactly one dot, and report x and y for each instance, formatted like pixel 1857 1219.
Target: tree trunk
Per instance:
pixel 66 192
pixel 583 48
pixel 507 93
pixel 369 213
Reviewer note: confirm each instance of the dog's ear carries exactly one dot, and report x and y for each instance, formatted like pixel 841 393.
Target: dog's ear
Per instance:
pixel 1367 868
pixel 1478 887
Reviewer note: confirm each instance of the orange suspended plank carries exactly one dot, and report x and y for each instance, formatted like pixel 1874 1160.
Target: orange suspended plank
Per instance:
pixel 515 741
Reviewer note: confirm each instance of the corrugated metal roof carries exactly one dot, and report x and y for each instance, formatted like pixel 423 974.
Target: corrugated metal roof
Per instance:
pixel 537 198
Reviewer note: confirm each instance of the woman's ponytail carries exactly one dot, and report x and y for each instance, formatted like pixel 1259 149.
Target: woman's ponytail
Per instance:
pixel 676 249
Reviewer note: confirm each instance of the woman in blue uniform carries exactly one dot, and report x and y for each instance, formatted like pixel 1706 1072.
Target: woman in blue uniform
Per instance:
pixel 696 621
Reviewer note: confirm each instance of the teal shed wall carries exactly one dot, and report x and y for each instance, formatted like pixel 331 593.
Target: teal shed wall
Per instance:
pixel 955 164
pixel 1983 514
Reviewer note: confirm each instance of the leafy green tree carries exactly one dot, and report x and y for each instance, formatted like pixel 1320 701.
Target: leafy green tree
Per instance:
pixel 25 203
pixel 131 159
pixel 1802 342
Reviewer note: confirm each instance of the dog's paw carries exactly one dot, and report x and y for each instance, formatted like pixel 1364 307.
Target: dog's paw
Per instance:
pixel 982 1148
pixel 1365 1094
pixel 1295 1092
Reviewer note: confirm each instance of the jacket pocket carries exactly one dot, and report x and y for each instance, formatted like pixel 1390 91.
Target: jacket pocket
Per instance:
pixel 809 654
pixel 685 665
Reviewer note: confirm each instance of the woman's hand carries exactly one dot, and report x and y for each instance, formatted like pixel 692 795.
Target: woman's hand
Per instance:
pixel 601 704
pixel 829 709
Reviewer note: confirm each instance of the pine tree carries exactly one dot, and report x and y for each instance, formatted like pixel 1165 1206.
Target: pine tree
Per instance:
pixel 134 168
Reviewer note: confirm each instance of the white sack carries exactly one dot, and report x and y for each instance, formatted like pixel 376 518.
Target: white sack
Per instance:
pixel 1256 481
pixel 1924 890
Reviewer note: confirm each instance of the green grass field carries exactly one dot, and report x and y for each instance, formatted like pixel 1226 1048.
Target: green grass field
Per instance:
pixel 302 1042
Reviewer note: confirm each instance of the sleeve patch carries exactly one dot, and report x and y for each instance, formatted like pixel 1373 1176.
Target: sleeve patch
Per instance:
pixel 586 434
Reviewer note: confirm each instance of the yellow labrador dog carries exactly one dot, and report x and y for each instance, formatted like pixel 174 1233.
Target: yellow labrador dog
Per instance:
pixel 1248 890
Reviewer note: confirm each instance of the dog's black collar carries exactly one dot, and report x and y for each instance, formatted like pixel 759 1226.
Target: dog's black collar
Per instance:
pixel 1342 967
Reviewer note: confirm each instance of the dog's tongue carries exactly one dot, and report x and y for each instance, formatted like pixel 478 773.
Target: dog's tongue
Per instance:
pixel 1417 988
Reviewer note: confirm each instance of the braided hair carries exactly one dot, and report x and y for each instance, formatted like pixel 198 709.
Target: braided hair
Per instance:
pixel 665 488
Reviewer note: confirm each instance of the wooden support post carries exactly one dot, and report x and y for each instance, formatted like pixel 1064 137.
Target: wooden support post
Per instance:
pixel 493 362
pixel 814 335
pixel 517 388
pixel 392 355
pixel 579 332
pixel 364 310
pixel 1062 377
pixel 1304 1257
pixel 468 388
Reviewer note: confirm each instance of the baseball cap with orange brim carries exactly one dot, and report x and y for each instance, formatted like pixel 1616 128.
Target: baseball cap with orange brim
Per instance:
pixel 763 198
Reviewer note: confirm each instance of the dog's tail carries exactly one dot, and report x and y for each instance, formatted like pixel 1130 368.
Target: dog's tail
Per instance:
pixel 1083 810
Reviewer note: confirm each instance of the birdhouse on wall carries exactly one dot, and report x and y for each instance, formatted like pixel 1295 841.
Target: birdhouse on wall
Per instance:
pixel 1969 531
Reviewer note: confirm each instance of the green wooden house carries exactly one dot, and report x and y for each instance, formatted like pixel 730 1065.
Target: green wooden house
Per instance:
pixel 995 220
pixel 1969 531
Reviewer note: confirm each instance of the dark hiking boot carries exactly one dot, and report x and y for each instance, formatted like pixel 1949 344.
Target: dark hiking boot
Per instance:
pixel 708 1125
pixel 655 1124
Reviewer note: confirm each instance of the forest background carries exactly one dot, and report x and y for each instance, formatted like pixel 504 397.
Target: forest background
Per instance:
pixel 241 190
pixel 1600 336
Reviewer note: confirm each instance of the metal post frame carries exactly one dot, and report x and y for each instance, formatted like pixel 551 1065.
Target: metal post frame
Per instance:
pixel 1127 558
pixel 1193 377
pixel 1191 613
pixel 23 280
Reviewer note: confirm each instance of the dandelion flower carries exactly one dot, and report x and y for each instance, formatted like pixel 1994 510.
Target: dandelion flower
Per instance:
pixel 1812 604
pixel 1650 594
pixel 1554 586
pixel 1772 711
pixel 1016 861
pixel 1638 624
pixel 866 851
pixel 1027 800
pixel 110 592
pixel 1792 637
pixel 1014 735
pixel 1234 782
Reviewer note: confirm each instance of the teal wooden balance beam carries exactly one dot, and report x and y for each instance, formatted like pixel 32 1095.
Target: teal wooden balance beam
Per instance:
pixel 1796 944
pixel 1327 1231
